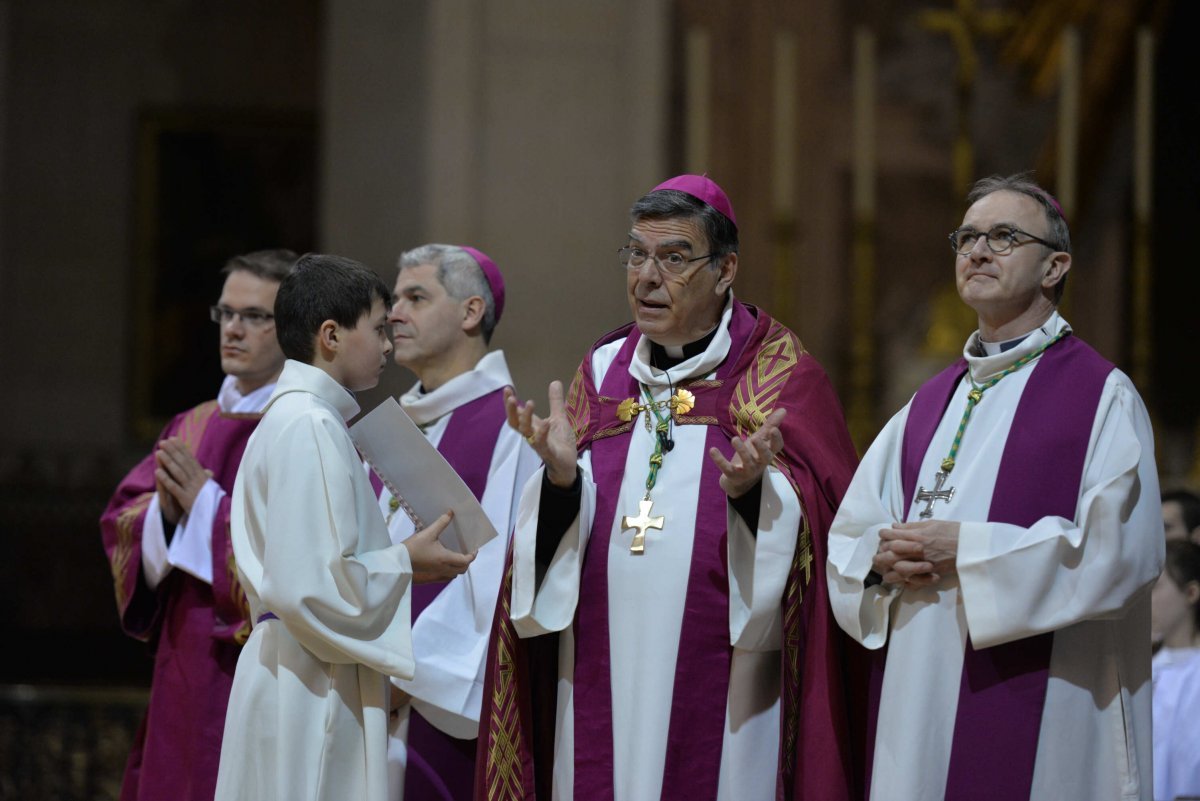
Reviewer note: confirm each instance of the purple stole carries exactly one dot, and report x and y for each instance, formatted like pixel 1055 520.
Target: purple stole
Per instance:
pixel 441 766
pixel 697 725
pixel 467 444
pixel 1003 688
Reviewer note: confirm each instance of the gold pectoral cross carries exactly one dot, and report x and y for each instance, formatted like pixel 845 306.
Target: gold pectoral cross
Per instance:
pixel 642 522
pixel 936 494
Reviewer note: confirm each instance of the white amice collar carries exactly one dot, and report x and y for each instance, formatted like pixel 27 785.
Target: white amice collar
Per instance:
pixel 699 365
pixel 231 401
pixel 984 365
pixel 300 377
pixel 489 374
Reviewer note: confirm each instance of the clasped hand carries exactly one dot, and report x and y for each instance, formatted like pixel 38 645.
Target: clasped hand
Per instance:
pixel 178 478
pixel 917 554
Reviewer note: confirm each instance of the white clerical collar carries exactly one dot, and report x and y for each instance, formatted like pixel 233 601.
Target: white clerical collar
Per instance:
pixel 301 377
pixel 985 365
pixel 699 365
pixel 996 348
pixel 230 400
pixel 489 374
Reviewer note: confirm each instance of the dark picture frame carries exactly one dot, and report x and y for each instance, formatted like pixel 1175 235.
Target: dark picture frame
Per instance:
pixel 210 184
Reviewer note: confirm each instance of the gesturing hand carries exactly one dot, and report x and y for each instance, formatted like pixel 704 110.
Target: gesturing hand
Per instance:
pixel 180 476
pixel 552 438
pixel 752 456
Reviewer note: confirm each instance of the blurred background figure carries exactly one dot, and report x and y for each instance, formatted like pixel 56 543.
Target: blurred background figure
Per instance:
pixel 1175 626
pixel 1181 515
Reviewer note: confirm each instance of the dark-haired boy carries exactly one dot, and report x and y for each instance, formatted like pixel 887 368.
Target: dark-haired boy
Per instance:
pixel 329 593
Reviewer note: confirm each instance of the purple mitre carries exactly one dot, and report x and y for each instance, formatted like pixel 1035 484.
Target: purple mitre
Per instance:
pixel 703 189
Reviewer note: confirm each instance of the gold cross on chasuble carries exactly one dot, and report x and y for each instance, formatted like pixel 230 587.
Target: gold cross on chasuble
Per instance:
pixel 642 522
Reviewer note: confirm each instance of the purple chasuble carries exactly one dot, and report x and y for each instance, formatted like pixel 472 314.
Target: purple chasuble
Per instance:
pixel 697 726
pixel 196 629
pixel 1003 689
pixel 439 766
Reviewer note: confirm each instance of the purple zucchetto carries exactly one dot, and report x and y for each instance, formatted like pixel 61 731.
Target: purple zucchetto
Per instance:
pixel 1053 201
pixel 703 189
pixel 492 273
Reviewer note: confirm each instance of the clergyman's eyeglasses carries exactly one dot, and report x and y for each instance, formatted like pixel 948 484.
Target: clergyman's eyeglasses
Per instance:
pixel 1000 240
pixel 251 318
pixel 632 258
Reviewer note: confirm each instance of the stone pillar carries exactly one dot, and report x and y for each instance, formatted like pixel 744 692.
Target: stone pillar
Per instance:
pixel 525 129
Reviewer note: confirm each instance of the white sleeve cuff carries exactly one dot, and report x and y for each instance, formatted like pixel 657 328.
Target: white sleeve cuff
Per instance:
pixel 759 564
pixel 551 607
pixel 191 548
pixel 154 545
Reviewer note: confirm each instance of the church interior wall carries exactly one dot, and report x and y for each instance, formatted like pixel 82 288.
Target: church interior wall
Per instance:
pixel 77 75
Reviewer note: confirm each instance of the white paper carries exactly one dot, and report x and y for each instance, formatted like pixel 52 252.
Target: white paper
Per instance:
pixel 415 472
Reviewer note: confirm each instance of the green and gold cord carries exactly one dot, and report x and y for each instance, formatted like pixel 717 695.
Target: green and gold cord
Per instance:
pixel 976 395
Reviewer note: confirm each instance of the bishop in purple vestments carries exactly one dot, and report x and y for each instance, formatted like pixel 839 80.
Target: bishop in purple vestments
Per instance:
pixel 448 300
pixel 663 633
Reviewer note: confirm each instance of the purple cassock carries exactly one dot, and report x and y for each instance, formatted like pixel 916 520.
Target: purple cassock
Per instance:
pixel 196 630
pixel 441 767
pixel 1003 687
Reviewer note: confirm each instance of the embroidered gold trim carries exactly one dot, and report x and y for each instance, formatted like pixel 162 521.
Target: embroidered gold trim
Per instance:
pixel 611 432
pixel 191 431
pixel 238 596
pixel 123 550
pixel 579 410
pixel 802 561
pixel 758 390
pixel 503 771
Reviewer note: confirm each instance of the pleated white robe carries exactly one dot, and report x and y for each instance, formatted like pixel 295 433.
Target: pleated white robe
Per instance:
pixel 308 712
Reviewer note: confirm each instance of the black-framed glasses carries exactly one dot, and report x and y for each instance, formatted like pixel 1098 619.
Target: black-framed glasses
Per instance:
pixel 1000 240
pixel 633 258
pixel 251 318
